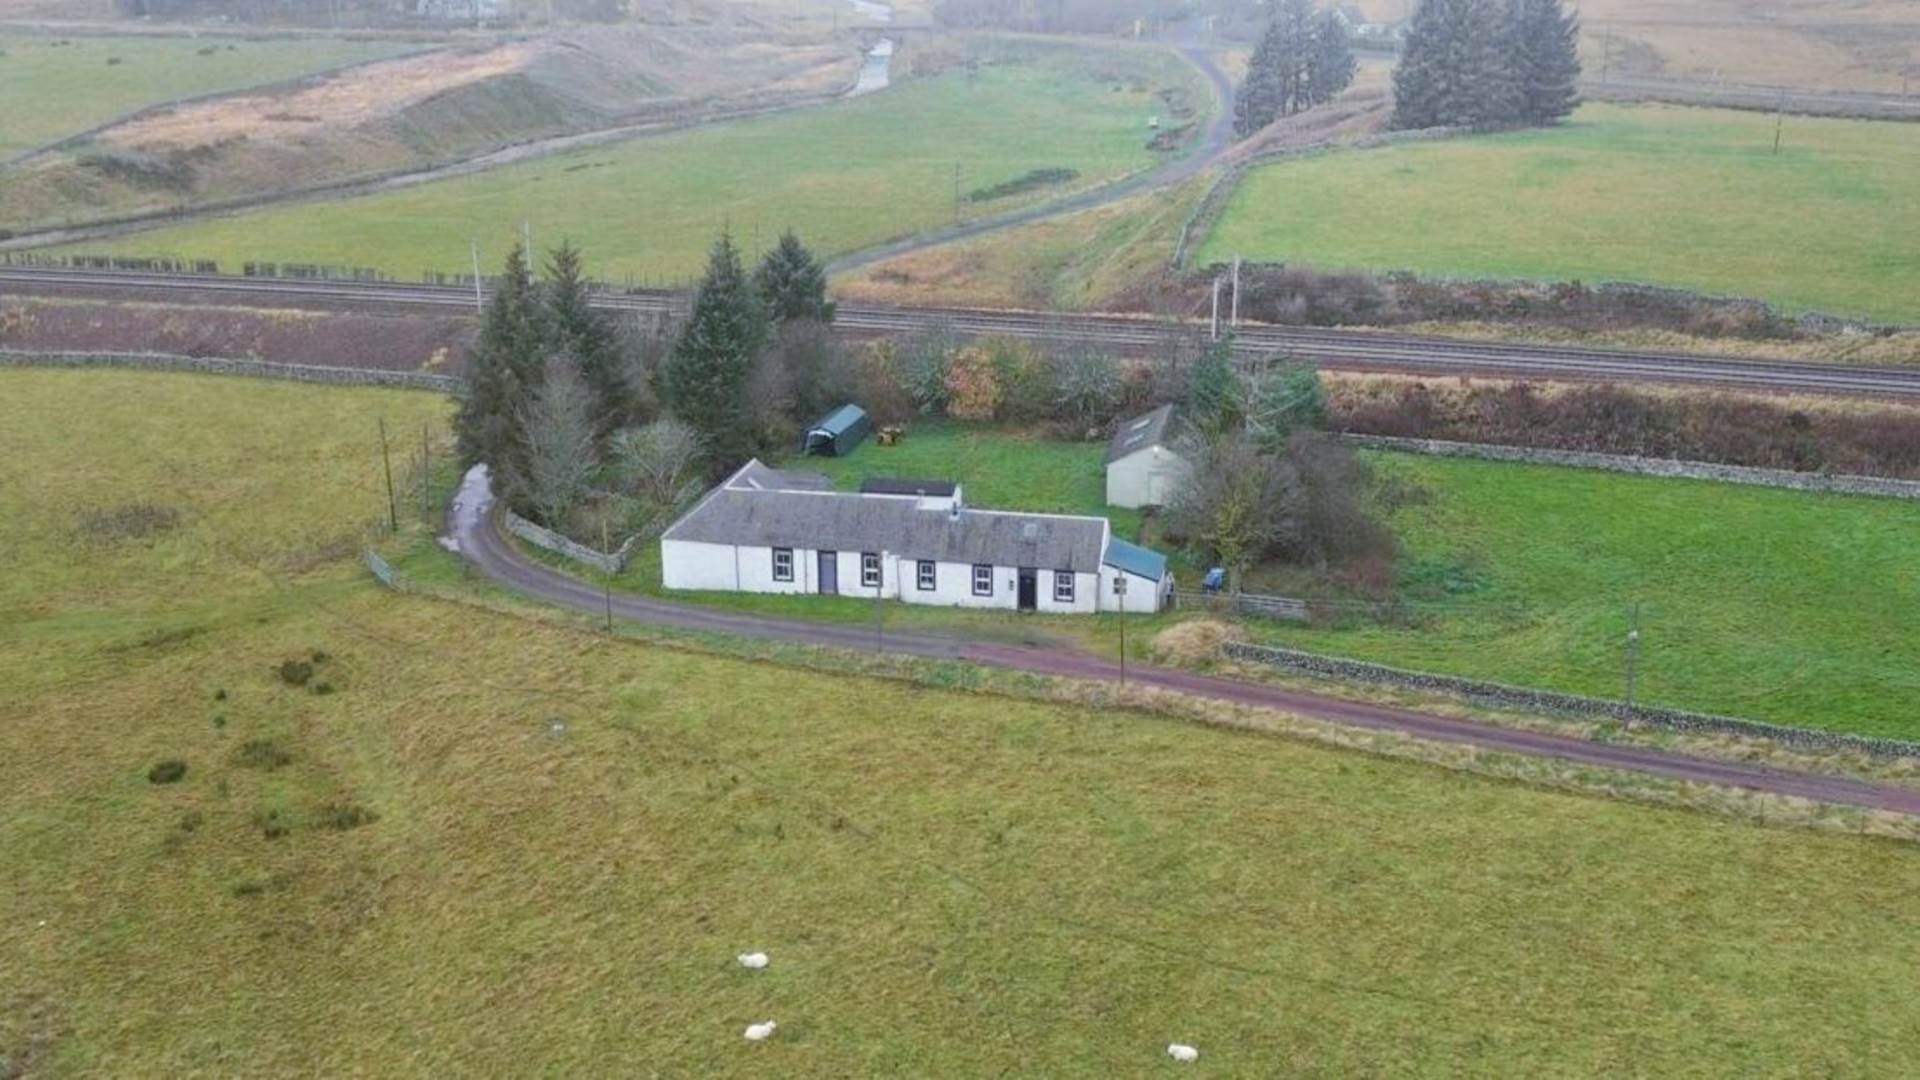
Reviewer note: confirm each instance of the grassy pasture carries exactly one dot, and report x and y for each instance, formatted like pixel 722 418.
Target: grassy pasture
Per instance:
pixel 1792 608
pixel 948 884
pixel 55 86
pixel 1692 198
pixel 848 175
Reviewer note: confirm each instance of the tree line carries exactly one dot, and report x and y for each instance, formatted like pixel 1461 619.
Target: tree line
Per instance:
pixel 572 413
pixel 1487 63
pixel 1302 60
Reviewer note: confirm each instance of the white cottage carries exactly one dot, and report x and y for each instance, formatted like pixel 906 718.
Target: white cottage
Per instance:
pixel 770 531
pixel 1143 469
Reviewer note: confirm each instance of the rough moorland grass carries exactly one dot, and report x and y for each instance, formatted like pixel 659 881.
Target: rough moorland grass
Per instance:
pixel 1772 605
pixel 1087 261
pixel 55 86
pixel 1693 198
pixel 845 176
pixel 948 884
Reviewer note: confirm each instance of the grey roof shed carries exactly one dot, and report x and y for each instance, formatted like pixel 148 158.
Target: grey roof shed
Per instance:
pixel 837 433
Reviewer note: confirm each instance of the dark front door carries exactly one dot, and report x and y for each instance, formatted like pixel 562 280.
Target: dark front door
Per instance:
pixel 829 573
pixel 1029 589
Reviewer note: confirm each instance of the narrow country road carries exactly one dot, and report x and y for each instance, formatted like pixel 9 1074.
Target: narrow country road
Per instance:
pixel 472 531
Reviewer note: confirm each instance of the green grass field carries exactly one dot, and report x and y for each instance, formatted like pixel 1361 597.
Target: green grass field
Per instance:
pixel 846 176
pixel 53 86
pixel 1780 606
pixel 949 884
pixel 1692 198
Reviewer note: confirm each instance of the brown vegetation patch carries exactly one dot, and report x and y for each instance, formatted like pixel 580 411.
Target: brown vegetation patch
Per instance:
pixel 348 99
pixel 1194 643
pixel 128 522
pixel 31 1026
pixel 436 345
pixel 1730 429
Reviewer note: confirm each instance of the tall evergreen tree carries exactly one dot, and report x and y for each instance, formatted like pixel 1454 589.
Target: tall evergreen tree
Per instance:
pixel 504 370
pixel 1422 80
pixel 704 381
pixel 792 284
pixel 1258 101
pixel 1546 60
pixel 1490 84
pixel 1213 389
pixel 574 329
pixel 1330 62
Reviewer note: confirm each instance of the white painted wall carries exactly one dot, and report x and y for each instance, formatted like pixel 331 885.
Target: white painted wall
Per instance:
pixel 1144 595
pixel 1148 477
pixel 690 566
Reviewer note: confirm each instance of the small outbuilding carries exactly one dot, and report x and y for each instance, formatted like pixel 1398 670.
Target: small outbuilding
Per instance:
pixel 1143 469
pixel 837 433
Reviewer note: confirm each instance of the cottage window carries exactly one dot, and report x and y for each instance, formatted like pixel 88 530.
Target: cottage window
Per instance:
pixel 869 570
pixel 926 578
pixel 783 564
pixel 982 580
pixel 1062 587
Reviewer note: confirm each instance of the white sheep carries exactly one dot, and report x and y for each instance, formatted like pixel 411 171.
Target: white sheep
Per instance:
pixel 754 960
pixel 760 1032
pixel 1182 1052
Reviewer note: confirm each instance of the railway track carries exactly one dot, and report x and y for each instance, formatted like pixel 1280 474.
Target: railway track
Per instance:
pixel 1351 350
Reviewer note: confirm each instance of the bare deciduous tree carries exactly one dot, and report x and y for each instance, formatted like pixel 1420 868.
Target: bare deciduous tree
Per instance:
pixel 1238 504
pixel 560 443
pixel 659 463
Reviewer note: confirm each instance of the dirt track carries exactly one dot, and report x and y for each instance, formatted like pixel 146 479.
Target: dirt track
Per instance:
pixel 471 527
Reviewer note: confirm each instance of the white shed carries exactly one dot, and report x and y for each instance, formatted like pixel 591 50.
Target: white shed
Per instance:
pixel 1143 469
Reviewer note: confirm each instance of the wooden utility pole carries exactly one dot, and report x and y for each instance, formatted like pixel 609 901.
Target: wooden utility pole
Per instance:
pixel 1214 325
pixel 1633 654
pixel 426 477
pixel 386 457
pixel 1779 120
pixel 1120 590
pixel 1233 321
pixel 479 298
pixel 607 572
pixel 956 193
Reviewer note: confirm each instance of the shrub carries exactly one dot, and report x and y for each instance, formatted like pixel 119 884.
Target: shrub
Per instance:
pixel 272 822
pixel 1032 180
pixel 1028 389
pixel 973 385
pixel 169 771
pixel 1193 643
pixel 294 672
pixel 132 521
pixel 266 754
pixel 342 816
pixel 924 359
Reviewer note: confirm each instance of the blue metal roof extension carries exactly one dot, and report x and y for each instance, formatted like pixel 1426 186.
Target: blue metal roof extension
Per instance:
pixel 1135 560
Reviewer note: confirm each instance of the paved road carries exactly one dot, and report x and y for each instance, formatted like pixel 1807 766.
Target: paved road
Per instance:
pixel 1335 349
pixel 473 532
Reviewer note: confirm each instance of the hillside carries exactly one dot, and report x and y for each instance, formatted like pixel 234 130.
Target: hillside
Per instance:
pixel 412 113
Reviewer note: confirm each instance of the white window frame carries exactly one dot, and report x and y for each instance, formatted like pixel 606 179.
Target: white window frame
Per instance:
pixel 870 570
pixel 926 575
pixel 983 579
pixel 777 555
pixel 1063 586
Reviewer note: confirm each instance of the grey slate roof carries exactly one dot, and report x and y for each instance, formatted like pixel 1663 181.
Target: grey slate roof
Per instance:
pixel 893 485
pixel 758 477
pixel 841 521
pixel 1154 429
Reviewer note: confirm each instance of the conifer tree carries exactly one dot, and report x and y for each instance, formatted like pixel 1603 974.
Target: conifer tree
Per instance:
pixel 1490 92
pixel 1258 101
pixel 504 371
pixel 704 380
pixel 575 330
pixel 1546 60
pixel 1421 78
pixel 1330 62
pixel 792 284
pixel 1213 389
